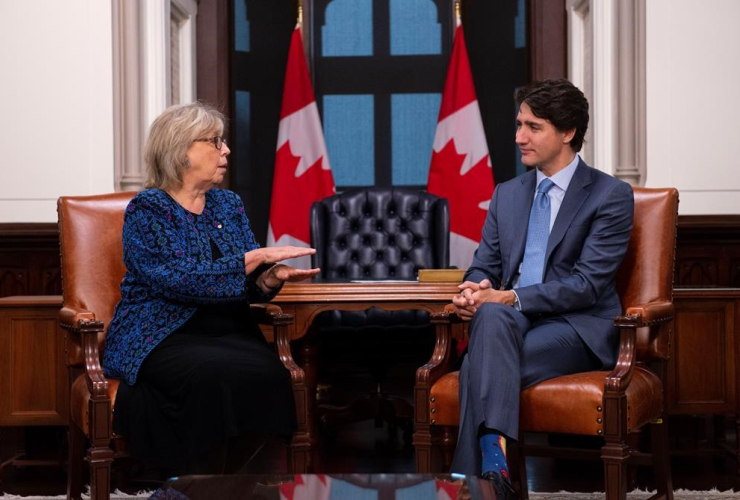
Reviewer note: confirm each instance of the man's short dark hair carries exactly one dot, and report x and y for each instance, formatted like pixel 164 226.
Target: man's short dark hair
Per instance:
pixel 560 102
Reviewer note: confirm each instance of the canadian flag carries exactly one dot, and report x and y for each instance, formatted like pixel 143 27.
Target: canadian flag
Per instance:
pixel 461 168
pixel 302 171
pixel 306 487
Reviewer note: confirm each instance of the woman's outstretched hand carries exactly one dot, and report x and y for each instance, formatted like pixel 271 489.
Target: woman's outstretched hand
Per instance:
pixel 273 255
pixel 282 272
pixel 272 278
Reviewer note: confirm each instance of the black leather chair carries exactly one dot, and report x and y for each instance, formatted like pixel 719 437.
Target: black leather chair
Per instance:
pixel 374 234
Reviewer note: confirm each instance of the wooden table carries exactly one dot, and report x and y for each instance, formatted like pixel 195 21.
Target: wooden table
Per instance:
pixel 305 300
pixel 308 298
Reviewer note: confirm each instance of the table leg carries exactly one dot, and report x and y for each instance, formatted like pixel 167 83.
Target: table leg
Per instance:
pixel 308 360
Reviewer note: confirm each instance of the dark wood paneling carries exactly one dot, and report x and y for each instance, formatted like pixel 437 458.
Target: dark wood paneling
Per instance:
pixel 708 252
pixel 702 374
pixel 29 259
pixel 33 380
pixel 708 255
pixel 547 39
pixel 212 54
pixel 213 68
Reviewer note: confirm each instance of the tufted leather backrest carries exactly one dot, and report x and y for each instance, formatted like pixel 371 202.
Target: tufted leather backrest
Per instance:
pixel 91 248
pixel 380 233
pixel 646 273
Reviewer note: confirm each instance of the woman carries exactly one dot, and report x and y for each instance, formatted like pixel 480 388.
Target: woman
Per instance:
pixel 199 376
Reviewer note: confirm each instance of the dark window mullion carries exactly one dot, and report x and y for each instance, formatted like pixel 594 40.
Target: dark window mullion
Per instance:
pixel 382 50
pixel 381 28
pixel 383 153
pixel 400 74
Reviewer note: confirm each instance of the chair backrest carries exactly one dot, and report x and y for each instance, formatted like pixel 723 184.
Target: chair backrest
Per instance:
pixel 380 233
pixel 91 249
pixel 646 273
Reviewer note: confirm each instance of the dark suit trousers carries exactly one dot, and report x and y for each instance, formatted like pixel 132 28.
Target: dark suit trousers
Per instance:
pixel 508 353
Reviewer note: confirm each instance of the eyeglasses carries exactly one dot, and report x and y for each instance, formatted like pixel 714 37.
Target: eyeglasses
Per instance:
pixel 217 141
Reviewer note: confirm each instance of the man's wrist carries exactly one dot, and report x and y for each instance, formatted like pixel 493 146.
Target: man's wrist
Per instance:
pixel 515 304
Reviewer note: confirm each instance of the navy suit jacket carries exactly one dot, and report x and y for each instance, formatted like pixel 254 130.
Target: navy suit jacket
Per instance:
pixel 585 248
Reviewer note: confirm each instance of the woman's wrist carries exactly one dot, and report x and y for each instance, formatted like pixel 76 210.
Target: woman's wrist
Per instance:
pixel 270 275
pixel 272 288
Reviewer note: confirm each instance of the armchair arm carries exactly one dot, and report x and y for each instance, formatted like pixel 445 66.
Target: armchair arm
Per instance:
pixel 69 316
pixel 439 363
pixel 268 314
pixel 650 315
pixel 620 377
pixel 426 376
pixel 82 324
pixel 272 315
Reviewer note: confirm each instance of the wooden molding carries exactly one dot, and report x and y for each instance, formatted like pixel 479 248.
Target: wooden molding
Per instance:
pixel 548 41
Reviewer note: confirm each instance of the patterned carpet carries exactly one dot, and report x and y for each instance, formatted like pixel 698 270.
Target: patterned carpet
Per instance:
pixel 679 495
pixel 117 495
pixel 637 495
pixel 563 495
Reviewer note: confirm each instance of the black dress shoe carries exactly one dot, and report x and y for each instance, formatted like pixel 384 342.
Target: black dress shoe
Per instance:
pixel 504 491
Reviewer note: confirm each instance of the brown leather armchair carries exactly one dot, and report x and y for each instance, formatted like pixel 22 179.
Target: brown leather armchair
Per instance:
pixel 90 230
pixel 601 403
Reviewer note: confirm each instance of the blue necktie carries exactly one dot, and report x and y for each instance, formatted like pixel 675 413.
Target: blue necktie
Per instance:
pixel 537 233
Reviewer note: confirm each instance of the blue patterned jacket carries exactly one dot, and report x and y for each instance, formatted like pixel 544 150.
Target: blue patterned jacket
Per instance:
pixel 170 271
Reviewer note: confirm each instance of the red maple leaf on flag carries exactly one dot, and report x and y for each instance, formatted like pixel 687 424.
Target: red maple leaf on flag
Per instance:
pixel 288 489
pixel 291 203
pixel 464 193
pixel 451 489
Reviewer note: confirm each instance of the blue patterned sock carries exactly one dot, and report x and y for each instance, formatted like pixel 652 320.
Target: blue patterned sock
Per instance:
pixel 493 450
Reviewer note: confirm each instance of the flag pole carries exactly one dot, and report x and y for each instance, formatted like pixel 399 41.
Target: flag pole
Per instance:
pixel 303 32
pixel 458 19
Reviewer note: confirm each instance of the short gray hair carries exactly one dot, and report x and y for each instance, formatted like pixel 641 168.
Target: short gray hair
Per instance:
pixel 170 137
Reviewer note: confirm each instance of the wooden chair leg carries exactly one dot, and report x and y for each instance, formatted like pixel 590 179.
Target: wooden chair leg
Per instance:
pixel 100 459
pixel 447 444
pixel 422 440
pixel 661 459
pixel 615 451
pixel 75 466
pixel 299 454
pixel 614 456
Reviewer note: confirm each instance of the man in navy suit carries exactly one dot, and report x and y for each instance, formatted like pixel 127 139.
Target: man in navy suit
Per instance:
pixel 541 290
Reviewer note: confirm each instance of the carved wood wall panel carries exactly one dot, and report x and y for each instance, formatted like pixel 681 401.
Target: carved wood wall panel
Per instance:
pixel 708 252
pixel 29 259
pixel 13 281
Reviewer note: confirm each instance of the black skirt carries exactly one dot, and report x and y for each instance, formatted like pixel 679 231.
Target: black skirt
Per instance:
pixel 213 379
